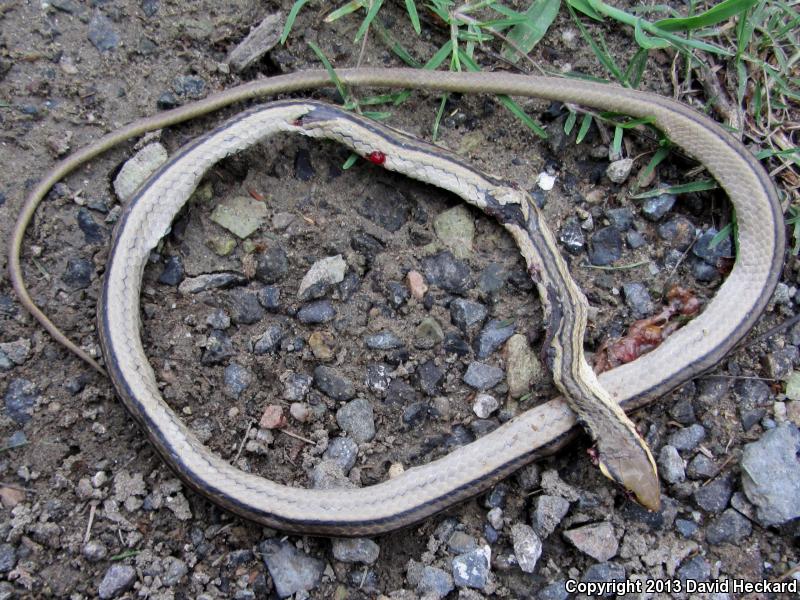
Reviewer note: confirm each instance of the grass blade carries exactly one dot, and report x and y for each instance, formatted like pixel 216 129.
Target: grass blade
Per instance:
pixel 411 9
pixel 716 14
pixel 683 188
pixel 291 19
pixel 538 18
pixel 344 9
pixel 584 128
pixel 331 73
pixel 373 10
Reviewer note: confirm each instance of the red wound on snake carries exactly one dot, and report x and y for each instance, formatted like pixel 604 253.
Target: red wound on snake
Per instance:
pixel 377 157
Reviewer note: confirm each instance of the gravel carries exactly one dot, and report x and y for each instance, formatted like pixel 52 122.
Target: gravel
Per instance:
pixel 447 272
pixel 173 272
pixel 715 496
pixel 549 512
pixel 492 336
pixel 321 311
pixel 687 438
pixel 270 340
pixel 292 570
pixel 730 527
pixel 333 383
pixel 357 419
pixel 117 580
pixel 383 340
pixel 343 451
pixel 482 376
pixel 598 540
pixel 527 547
pixel 352 550
pixel 272 264
pixel 606 246
pixel 321 277
pixel 20 398
pixel 670 465
pixel 472 569
pixel 466 314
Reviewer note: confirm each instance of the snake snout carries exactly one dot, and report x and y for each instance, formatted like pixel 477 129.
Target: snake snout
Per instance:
pixel 636 474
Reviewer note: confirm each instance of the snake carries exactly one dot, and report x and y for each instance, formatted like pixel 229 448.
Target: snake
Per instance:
pixel 597 402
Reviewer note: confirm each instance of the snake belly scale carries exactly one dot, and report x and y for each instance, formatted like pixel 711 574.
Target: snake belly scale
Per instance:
pixel 425 490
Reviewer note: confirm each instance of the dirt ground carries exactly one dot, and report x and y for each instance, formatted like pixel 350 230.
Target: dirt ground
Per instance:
pixel 86 492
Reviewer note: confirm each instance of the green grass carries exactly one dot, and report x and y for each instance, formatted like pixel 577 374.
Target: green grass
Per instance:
pixel 757 41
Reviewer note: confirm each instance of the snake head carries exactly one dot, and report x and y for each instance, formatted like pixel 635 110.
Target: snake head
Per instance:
pixel 635 470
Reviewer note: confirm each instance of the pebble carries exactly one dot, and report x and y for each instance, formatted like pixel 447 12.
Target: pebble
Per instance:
pixel 638 299
pixel 343 451
pixel 172 273
pixel 92 232
pixel 397 294
pixel 236 378
pixel 322 344
pixel 527 547
pixel 258 42
pixel 702 271
pixel 269 297
pixel 322 275
pixel 271 264
pixel 604 572
pixel 771 474
pixel 333 383
pixel 383 340
pixel 730 527
pixel 219 346
pixel 400 393
pixel 8 557
pixel 244 307
pixel 366 244
pixel 14 353
pixel 303 167
pixel 428 334
pixel 211 281
pixel 482 376
pixel 472 568
pixel 621 218
pixel 291 570
pixel 702 247
pixel 606 246
pixel 779 364
pixel 218 319
pixel 485 405
pixel 416 285
pixel 554 591
pixel 273 417
pixel 434 583
pixel 455 344
pixel 78 274
pixel 349 286
pixel 118 579
pixel 137 169
pixel 103 36
pixel 701 467
pixel 387 208
pixel 378 377
pixel 686 528
pixel 455 228
pixel 493 335
pixel 352 550
pixel 523 368
pixel 94 551
pixel 20 398
pixel 495 518
pixel 572 237
pixel 549 512
pixel 655 208
pixel 678 232
pixel 619 170
pixel 447 272
pixel 270 340
pixel 670 465
pixel 635 239
pixel 696 568
pixel 321 311
pixel 429 377
pixel 465 314
pixel 300 412
pixel 714 496
pixel 190 87
pixel 356 419
pixel 687 438
pixel 683 411
pixel 598 540
pixel 241 215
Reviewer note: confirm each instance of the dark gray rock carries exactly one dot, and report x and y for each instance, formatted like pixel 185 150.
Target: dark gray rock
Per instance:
pixel 296 386
pixel 397 294
pixel 78 274
pixel 367 245
pixel 604 572
pixel 20 398
pixel 685 528
pixel 150 7
pixel 303 167
pixel 635 239
pixel 638 299
pixel 270 340
pixel 355 550
pixel 730 527
pixel 683 411
pixel 493 335
pixel 460 542
pixel 482 376
pixel 219 346
pixel 555 591
pixel 400 393
pixel 752 396
pixel 102 34
pixel 464 313
pixel 271 264
pixel 549 512
pixel 471 569
pixel 321 311
pixel 212 281
pixel 189 87
pixel 678 232
pixel 779 364
pixel 333 384
pixel 447 272
pixel 378 377
pixel 701 467
pixel 291 570
pixel 655 208
pixel 455 344
pixel 8 557
pixel 269 297
pixel 172 273
pixel 687 438
pixel 357 419
pixel 236 379
pixel 571 236
pixel 606 247
pixel 92 232
pixel 715 496
pixel 429 377
pixel 386 207
pixel 696 568
pixel 343 451
pixel 702 247
pixel 383 340
pixel 771 474
pixel 434 582
pixel 492 278
pixel 244 307
pixel 349 286
pixel 702 271
pixel 117 580
pixel 621 218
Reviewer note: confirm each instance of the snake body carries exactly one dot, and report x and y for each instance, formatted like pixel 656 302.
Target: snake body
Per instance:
pixel 425 490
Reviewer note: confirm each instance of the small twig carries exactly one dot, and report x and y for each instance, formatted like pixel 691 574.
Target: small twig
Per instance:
pixel 297 436
pixel 718 471
pixel 244 440
pixel 618 268
pixel 92 510
pixel 790 573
